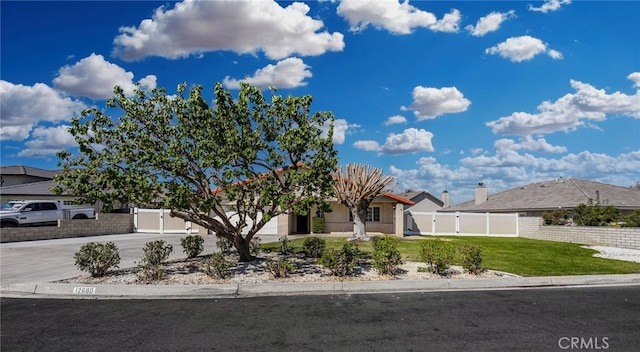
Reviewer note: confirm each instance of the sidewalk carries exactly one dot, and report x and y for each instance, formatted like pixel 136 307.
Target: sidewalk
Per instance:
pixel 27 269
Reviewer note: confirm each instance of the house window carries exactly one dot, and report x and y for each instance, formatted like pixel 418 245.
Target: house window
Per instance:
pixel 373 214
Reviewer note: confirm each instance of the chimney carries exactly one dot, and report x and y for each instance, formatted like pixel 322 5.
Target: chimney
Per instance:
pixel 445 199
pixel 481 193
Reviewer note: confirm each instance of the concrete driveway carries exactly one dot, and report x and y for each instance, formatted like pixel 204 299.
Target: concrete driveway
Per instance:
pixel 51 260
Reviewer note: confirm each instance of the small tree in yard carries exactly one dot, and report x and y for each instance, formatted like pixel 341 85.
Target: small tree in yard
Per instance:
pixel 230 167
pixel 595 213
pixel 356 188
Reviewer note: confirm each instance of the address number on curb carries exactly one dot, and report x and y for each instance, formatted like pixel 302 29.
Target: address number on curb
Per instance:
pixel 84 290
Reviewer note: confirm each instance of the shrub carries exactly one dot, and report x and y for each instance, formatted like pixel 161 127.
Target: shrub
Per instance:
pixel 341 262
pixel 218 266
pixel 595 213
pixel 148 273
pixel 97 258
pixel 224 245
pixel 386 256
pixel 192 246
pixel 438 254
pixel 471 258
pixel 317 225
pixel 556 217
pixel 279 267
pixel 633 219
pixel 254 245
pixel 313 247
pixel 284 244
pixel 155 253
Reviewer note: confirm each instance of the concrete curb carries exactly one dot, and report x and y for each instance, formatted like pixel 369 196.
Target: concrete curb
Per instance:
pixel 84 291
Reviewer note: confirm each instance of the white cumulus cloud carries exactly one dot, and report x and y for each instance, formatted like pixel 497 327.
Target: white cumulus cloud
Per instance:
pixel 523 48
pixel 48 141
pixel 288 73
pixel 449 23
pixel 23 107
pixel 570 111
pixel 367 145
pixel 509 169
pixel 395 120
pixel 392 15
pixel 411 140
pixel 340 130
pixel 635 77
pixel 539 145
pixel 429 103
pixel 489 23
pixel 245 27
pixel 549 5
pixel 94 77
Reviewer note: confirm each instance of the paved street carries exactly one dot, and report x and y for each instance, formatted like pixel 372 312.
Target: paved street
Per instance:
pixel 604 318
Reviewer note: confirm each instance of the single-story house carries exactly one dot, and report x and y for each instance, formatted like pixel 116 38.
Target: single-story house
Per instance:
pixel 425 201
pixel 25 183
pixel 29 183
pixel 385 213
pixel 20 174
pixel 560 194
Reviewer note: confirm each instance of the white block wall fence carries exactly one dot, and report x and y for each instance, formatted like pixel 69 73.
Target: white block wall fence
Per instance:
pixel 622 237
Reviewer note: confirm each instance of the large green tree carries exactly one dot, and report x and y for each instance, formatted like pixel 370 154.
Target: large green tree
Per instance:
pixel 230 166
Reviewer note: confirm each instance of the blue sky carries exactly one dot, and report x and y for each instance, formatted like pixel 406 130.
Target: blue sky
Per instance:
pixel 442 95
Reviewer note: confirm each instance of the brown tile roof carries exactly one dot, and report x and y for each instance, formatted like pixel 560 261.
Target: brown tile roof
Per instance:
pixel 554 194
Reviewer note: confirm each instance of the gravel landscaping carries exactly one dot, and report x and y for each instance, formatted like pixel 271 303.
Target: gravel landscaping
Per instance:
pixel 190 272
pixel 629 255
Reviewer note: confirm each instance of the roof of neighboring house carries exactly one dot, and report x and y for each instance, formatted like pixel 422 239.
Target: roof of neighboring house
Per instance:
pixel 31 189
pixel 412 194
pixel 554 194
pixel 19 170
pixel 424 198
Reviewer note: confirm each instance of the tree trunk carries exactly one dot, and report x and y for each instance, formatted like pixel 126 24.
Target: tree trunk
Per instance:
pixel 359 225
pixel 242 245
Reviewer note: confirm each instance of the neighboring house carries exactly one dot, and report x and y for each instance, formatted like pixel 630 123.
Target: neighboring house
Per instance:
pixel 536 198
pixel 32 191
pixel 29 183
pixel 19 174
pixel 425 202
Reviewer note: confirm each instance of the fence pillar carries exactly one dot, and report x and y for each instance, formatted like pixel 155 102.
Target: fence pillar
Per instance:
pixel 488 222
pixel 135 219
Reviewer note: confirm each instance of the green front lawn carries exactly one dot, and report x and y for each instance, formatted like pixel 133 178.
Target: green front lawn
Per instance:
pixel 519 256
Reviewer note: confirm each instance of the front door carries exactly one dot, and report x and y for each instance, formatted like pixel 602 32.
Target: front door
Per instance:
pixel 302 223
